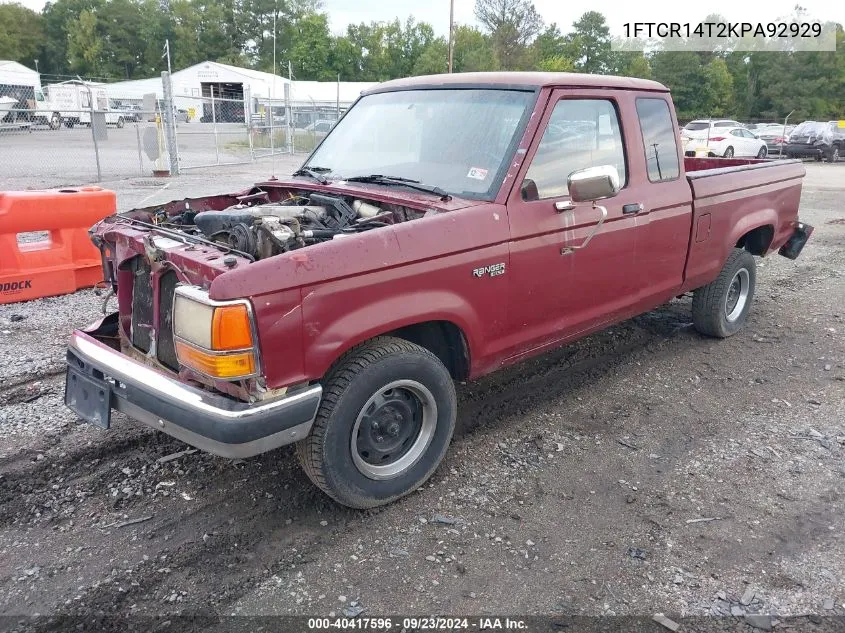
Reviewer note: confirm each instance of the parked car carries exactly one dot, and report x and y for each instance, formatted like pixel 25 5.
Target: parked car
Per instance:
pixel 131 112
pixel 819 140
pixel 728 142
pixel 320 127
pixel 755 127
pixel 702 128
pixel 430 237
pixel 775 136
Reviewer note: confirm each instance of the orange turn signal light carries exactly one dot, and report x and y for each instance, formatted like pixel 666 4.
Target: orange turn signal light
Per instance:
pixel 226 366
pixel 230 328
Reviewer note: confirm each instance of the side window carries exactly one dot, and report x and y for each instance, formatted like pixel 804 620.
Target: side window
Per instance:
pixel 581 133
pixel 659 139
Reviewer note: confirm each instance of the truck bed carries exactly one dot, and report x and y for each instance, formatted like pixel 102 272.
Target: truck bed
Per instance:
pixel 732 197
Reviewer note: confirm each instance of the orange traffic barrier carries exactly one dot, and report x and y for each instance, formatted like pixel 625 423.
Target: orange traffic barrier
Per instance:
pixel 63 261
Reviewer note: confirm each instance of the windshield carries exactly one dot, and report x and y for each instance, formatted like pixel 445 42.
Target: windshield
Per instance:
pixel 457 140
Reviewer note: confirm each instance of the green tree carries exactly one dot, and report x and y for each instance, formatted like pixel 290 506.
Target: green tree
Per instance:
pixel 84 44
pixel 21 32
pixel 58 16
pixel 637 66
pixel 311 47
pixel 680 71
pixel 473 51
pixel 556 64
pixel 589 45
pixel 434 59
pixel 717 89
pixel 513 25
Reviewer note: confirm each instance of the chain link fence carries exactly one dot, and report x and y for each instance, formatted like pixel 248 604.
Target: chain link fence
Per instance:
pixel 70 146
pixel 78 132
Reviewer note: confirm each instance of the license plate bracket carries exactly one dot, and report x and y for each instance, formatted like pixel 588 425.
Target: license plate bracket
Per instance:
pixel 88 397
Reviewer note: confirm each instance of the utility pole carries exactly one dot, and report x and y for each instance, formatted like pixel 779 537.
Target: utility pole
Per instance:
pixel 451 32
pixel 167 54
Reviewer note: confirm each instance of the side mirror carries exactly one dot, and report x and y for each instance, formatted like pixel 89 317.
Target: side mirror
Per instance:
pixel 593 183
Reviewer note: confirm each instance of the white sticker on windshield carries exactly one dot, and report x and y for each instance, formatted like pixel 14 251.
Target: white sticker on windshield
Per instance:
pixel 477 173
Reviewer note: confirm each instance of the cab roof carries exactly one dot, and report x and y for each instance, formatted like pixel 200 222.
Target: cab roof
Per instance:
pixel 517 80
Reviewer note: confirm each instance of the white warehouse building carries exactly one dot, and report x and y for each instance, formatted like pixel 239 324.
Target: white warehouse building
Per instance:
pixel 195 87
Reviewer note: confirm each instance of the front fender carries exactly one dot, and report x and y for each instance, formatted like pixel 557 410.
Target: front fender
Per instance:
pixel 327 337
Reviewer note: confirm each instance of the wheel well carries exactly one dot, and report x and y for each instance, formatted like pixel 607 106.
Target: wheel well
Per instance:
pixel 444 339
pixel 757 240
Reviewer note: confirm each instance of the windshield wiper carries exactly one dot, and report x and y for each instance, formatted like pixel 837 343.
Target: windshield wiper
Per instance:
pixel 399 181
pixel 313 172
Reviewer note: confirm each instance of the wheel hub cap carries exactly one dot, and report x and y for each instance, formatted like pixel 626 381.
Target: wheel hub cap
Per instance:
pixel 737 295
pixel 393 429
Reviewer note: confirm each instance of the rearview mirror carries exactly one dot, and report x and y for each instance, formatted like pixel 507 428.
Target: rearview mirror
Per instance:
pixel 593 183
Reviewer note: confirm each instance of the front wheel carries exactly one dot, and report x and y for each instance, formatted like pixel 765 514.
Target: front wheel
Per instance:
pixel 119 122
pixel 721 308
pixel 729 153
pixel 384 424
pixel 833 155
pixel 762 152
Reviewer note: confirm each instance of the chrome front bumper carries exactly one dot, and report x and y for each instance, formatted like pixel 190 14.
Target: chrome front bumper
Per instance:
pixel 209 421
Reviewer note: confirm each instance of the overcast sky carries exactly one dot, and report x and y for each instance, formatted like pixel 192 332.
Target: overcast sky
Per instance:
pixel 617 12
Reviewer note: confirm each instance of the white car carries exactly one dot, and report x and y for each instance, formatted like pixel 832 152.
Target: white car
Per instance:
pixel 727 142
pixel 701 128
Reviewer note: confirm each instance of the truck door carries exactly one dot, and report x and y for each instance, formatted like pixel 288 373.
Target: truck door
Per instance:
pixel 664 222
pixel 556 293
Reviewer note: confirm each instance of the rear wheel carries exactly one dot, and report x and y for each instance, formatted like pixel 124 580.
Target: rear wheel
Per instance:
pixel 721 308
pixel 833 155
pixel 55 122
pixel 729 153
pixel 762 152
pixel 384 424
pixel 119 122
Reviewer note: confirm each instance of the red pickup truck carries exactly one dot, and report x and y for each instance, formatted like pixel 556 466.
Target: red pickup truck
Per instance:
pixel 446 227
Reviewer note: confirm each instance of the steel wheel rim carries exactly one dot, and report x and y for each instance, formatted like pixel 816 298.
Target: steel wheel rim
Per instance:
pixel 404 414
pixel 737 296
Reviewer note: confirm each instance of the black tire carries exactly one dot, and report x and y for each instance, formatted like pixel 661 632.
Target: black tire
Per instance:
pixel 762 153
pixel 729 153
pixel 364 373
pixel 55 122
pixel 714 311
pixel 833 154
pixel 119 122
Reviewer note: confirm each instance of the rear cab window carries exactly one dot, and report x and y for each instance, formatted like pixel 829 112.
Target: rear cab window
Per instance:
pixel 660 142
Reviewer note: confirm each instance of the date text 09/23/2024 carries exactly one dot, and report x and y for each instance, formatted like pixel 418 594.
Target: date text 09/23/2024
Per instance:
pixel 417 623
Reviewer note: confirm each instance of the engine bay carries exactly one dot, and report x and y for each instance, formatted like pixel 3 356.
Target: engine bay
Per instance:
pixel 261 228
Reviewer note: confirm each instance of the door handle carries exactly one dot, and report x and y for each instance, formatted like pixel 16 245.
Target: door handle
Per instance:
pixel 635 207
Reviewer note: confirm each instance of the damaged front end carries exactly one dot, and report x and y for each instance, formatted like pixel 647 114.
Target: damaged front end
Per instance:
pixel 160 263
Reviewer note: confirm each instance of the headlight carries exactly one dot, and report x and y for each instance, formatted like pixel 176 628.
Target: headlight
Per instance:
pixel 214 338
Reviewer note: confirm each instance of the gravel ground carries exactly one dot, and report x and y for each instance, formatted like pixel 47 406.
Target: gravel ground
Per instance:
pixel 644 469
